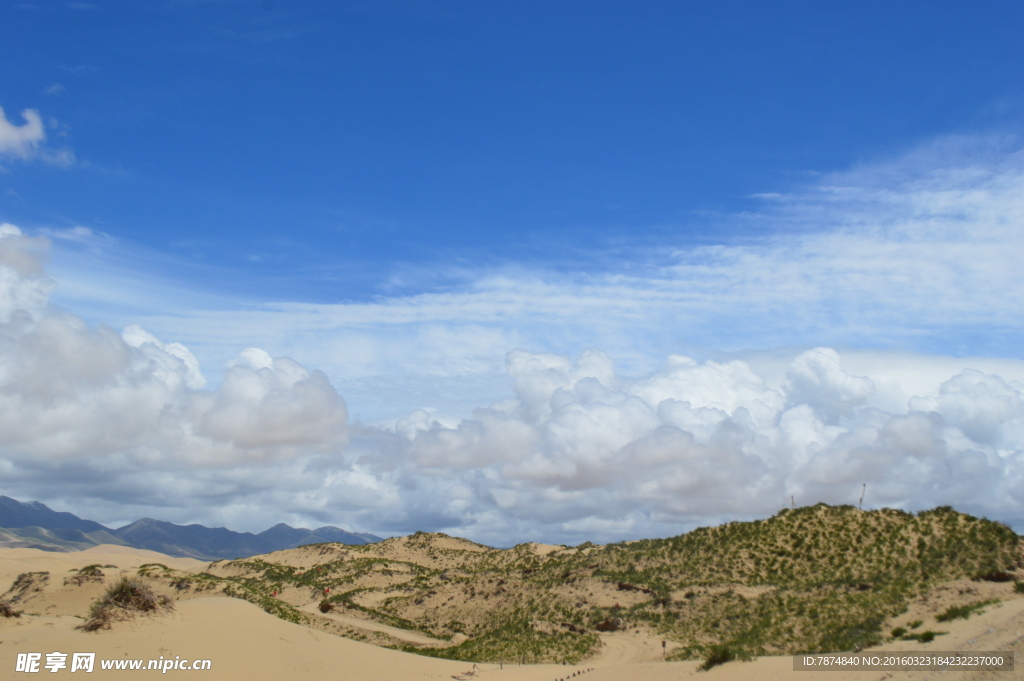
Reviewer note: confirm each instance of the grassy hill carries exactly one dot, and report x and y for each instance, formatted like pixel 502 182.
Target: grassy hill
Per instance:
pixel 812 579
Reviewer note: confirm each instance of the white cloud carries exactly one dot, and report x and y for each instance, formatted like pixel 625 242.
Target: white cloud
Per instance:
pixel 83 398
pixel 697 441
pixel 920 254
pixel 24 288
pixel 982 406
pixel 580 452
pixel 25 141
pixel 816 378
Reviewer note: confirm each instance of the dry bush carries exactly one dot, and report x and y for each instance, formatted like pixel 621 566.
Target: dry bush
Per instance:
pixel 122 600
pixel 7 611
pixel 25 586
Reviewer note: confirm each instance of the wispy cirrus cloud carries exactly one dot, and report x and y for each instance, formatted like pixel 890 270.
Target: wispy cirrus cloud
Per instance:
pixel 918 253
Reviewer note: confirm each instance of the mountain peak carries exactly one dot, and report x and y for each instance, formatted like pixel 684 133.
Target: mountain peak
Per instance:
pixel 15 514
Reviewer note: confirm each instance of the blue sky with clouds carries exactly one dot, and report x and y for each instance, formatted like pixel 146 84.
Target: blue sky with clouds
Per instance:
pixel 399 197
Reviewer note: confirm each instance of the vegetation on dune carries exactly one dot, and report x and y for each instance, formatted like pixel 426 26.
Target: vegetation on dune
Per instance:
pixel 150 569
pixel 123 599
pixel 85 575
pixel 265 601
pixel 720 655
pixel 962 612
pixel 517 640
pixel 924 636
pixel 815 579
pixel 25 585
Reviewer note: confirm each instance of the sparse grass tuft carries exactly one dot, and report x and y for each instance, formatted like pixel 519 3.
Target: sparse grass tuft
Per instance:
pixel 962 612
pixel 89 573
pixel 7 611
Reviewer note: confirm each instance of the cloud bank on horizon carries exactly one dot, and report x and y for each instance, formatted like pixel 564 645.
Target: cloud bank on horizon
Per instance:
pixel 920 252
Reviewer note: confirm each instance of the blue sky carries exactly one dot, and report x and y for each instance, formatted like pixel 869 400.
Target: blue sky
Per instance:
pixel 361 145
pixel 402 195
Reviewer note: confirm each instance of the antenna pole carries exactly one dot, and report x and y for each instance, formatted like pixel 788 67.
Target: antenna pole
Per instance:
pixel 860 504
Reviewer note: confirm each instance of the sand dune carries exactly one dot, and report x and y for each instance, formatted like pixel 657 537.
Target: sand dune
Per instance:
pixel 15 561
pixel 247 644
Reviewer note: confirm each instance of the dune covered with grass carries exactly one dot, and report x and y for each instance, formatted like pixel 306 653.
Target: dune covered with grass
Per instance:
pixel 736 599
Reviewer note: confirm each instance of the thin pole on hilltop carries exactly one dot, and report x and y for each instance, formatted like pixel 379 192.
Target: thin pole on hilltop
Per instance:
pixel 860 504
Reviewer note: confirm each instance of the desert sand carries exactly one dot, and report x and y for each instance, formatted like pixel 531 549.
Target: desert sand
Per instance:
pixel 244 643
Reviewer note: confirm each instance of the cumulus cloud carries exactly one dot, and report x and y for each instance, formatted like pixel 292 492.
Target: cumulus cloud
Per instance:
pixel 126 406
pixel 920 253
pixel 984 407
pixel 122 424
pixel 577 452
pixel 816 378
pixel 25 141
pixel 580 447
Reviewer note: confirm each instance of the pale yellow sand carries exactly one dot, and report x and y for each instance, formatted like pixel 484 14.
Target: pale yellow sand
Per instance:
pixel 15 561
pixel 246 644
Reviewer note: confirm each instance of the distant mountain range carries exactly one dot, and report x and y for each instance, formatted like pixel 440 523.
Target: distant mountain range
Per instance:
pixel 34 525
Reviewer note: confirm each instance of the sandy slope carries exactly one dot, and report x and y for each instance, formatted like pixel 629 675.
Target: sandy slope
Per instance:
pixel 247 644
pixel 363 623
pixel 15 561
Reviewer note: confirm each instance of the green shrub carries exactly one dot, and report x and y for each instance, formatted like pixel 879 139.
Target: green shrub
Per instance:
pixel 961 612
pixel 721 654
pixel 898 631
pixel 517 641
pixel 718 655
